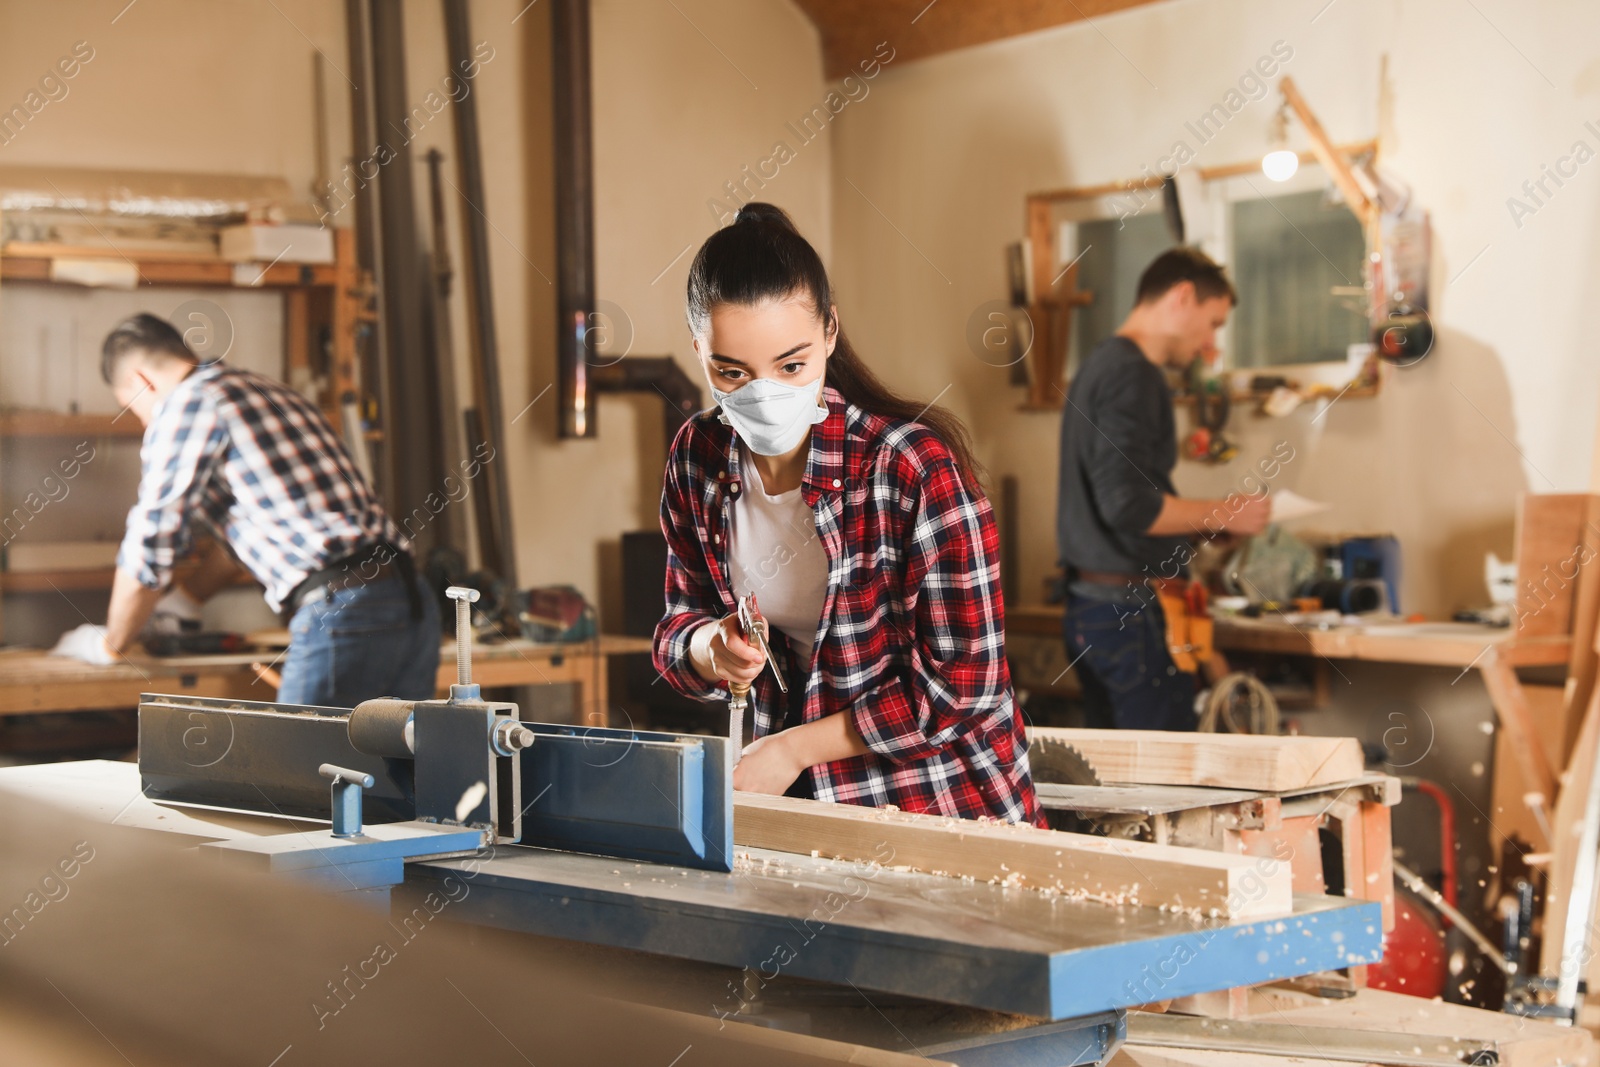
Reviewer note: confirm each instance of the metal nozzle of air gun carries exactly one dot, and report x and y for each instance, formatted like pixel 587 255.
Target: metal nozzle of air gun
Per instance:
pixel 739 692
pixel 755 631
pixel 738 702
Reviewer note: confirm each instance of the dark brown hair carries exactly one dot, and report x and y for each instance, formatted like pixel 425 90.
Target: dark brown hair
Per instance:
pixel 143 333
pixel 761 256
pixel 1185 264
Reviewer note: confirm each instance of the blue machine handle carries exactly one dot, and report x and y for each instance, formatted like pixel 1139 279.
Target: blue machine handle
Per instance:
pixel 345 795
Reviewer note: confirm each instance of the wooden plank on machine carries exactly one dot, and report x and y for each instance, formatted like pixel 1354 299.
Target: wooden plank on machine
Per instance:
pixel 1132 872
pixel 1229 761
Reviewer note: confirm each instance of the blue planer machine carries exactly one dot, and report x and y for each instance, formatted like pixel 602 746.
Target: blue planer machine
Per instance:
pixel 624 839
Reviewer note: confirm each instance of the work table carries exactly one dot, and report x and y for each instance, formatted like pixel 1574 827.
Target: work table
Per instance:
pixel 1442 644
pixel 32 681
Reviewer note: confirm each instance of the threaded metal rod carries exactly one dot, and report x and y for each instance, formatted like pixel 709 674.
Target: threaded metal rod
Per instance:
pixel 464 597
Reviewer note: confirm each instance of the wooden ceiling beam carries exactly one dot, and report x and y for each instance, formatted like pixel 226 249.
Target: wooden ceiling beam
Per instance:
pixel 917 29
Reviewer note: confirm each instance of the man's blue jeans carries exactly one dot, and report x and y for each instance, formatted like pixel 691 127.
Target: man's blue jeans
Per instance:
pixel 361 642
pixel 1118 639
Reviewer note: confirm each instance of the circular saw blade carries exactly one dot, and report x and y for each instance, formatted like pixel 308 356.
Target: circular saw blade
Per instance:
pixel 1060 764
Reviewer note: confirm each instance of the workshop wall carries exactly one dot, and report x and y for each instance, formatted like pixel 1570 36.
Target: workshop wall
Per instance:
pixel 930 175
pixel 673 121
pixel 921 185
pixel 689 96
pixel 685 95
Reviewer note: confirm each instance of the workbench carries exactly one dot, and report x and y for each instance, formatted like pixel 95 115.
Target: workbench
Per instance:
pixel 1527 744
pixel 32 681
pixel 1440 644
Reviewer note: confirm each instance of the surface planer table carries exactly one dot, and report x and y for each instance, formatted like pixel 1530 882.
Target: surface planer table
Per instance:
pixel 882 931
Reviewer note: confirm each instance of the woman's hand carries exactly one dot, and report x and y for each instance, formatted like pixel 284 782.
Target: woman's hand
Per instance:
pixel 720 653
pixel 770 764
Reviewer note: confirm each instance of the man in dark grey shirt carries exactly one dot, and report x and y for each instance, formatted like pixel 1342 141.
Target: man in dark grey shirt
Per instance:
pixel 1121 526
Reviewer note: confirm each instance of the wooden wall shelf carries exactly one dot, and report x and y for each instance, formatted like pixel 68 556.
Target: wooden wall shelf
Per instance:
pixel 65 424
pixel 321 301
pixel 84 579
pixel 1250 396
pixel 162 270
pixel 96 578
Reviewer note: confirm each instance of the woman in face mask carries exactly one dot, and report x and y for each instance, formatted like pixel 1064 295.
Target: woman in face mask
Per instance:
pixel 856 519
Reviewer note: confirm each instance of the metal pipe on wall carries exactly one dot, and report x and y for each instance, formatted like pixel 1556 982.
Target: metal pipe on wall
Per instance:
pixel 371 347
pixel 574 169
pixel 442 338
pixel 680 394
pixel 415 439
pixel 485 424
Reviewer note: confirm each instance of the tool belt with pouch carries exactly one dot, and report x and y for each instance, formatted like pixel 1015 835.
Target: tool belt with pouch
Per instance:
pixel 1184 605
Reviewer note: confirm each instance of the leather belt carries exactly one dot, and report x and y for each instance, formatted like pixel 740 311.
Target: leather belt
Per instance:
pixel 357 569
pixel 1108 578
pixel 1171 586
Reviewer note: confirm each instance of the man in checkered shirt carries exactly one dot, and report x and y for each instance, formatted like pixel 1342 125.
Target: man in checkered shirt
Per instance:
pixel 256 462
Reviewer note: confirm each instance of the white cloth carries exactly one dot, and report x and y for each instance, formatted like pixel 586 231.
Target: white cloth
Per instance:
pixel 775 553
pixel 86 643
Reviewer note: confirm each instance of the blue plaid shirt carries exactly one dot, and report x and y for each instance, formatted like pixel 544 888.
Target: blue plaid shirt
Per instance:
pixel 257 463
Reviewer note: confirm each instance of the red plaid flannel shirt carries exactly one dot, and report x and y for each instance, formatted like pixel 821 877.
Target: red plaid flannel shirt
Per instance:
pixel 911 643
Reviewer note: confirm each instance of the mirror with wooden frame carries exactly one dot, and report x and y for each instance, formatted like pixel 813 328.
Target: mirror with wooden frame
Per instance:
pixel 1296 251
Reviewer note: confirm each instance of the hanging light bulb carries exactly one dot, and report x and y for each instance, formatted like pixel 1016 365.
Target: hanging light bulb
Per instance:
pixel 1281 161
pixel 1280 164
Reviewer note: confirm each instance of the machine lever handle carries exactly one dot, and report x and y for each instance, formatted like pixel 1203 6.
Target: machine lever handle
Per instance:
pixel 345 795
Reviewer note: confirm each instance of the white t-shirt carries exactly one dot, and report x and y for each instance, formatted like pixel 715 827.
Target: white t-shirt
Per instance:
pixel 776 553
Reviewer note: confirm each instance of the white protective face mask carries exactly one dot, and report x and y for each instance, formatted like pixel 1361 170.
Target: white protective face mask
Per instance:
pixel 769 416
